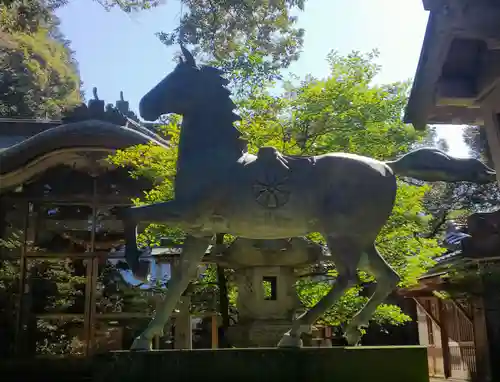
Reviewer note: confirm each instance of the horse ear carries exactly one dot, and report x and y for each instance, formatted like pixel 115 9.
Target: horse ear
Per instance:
pixel 188 56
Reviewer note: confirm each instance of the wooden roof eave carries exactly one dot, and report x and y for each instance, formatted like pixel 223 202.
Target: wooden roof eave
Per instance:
pixel 435 97
pixel 437 40
pixel 425 287
pixel 68 144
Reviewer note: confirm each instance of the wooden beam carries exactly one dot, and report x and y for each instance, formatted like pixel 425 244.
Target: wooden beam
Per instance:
pixel 71 200
pixel 109 225
pixel 415 293
pixel 461 309
pixel 455 92
pixel 476 21
pixel 429 314
pixel 488 73
pixel 161 258
pixel 60 316
pixel 455 115
pixel 116 316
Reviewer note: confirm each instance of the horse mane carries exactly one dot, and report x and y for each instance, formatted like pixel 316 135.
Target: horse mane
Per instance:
pixel 221 101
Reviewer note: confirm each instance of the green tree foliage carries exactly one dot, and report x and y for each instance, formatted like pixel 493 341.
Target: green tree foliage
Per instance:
pixel 343 112
pixel 467 280
pixel 56 286
pixel 237 35
pixel 459 200
pixel 251 39
pixel 129 6
pixel 38 76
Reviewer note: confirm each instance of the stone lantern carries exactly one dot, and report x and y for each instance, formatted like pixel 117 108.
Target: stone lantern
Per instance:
pixel 265 273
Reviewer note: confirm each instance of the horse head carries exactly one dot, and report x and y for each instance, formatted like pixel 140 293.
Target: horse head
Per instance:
pixel 432 165
pixel 188 88
pixel 479 172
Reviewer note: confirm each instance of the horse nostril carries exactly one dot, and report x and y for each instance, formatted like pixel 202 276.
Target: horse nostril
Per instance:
pixel 145 111
pixel 146 114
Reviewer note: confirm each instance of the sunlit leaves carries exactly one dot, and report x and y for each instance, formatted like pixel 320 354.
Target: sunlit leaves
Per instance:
pixel 249 39
pixel 159 165
pixel 399 241
pixel 130 6
pixel 38 77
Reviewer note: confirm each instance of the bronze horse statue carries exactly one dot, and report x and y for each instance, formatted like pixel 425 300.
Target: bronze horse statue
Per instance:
pixel 221 188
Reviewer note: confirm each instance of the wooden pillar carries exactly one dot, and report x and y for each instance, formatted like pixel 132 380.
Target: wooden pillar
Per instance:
pixel 327 341
pixel 22 290
pixel 183 333
pixel 215 332
pixel 490 304
pixel 87 312
pixel 481 343
pixel 158 297
pixel 445 340
pixel 92 274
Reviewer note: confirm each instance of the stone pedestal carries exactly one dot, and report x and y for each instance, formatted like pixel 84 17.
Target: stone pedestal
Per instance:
pixel 267 301
pixel 265 276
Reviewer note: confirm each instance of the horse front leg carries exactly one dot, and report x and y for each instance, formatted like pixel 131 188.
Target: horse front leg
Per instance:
pixel 346 256
pixel 169 212
pixel 193 251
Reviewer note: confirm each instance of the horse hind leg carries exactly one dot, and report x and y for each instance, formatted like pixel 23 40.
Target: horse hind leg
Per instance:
pixel 346 255
pixel 387 280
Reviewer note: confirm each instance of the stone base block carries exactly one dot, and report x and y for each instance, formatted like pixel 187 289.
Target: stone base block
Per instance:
pixel 258 333
pixel 338 364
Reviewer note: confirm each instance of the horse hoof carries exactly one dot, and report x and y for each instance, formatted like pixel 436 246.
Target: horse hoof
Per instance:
pixel 141 344
pixel 289 341
pixel 353 336
pixel 141 271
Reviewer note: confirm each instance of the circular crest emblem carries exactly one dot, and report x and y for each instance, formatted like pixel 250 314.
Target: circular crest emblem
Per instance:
pixel 271 194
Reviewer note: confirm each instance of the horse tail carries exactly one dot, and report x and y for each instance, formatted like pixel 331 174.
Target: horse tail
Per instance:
pixel 433 165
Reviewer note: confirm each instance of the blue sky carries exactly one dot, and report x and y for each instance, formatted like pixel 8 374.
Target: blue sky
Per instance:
pixel 117 51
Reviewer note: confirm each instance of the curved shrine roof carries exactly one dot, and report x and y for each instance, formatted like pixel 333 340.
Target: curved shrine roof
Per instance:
pixel 29 147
